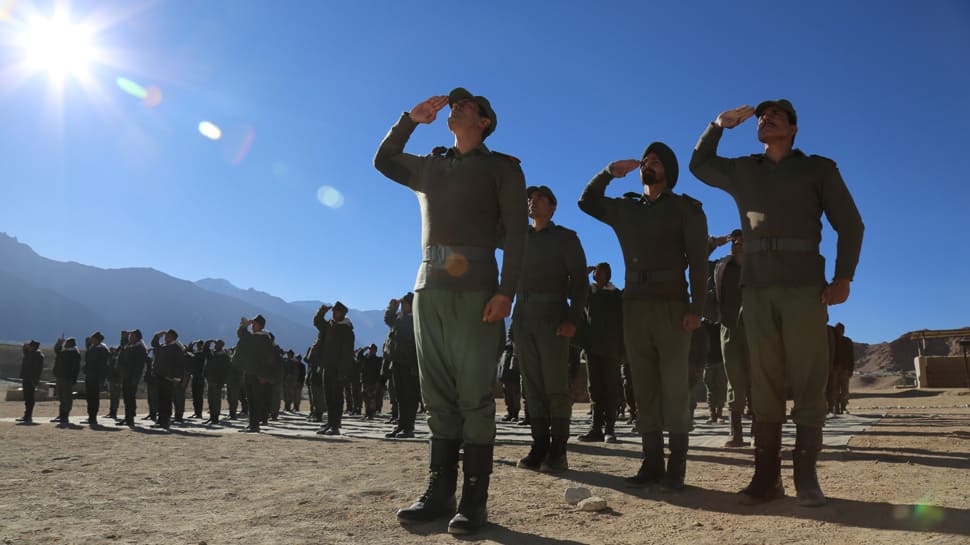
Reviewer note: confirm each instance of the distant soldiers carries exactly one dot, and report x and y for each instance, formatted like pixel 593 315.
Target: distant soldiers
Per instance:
pixel 404 363
pixel 95 372
pixel 167 371
pixel 217 369
pixel 293 375
pixel 352 390
pixel 781 195
pixel 510 377
pixel 181 390
pixel 660 233
pixel 114 377
pixel 841 371
pixel 258 356
pixel 604 353
pixel 31 366
pixel 67 366
pixel 197 378
pixel 715 379
pixel 131 364
pixel 337 359
pixel 314 360
pixel 370 380
pixel 471 197
pixel 551 304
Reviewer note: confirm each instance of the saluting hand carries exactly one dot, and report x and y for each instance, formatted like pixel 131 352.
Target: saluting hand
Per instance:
pixel 836 293
pixel 733 118
pixel 427 111
pixel 497 308
pixel 623 167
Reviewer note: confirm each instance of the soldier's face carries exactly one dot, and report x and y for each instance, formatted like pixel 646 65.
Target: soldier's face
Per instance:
pixel 540 206
pixel 774 125
pixel 466 114
pixel 169 338
pixel 652 170
pixel 600 276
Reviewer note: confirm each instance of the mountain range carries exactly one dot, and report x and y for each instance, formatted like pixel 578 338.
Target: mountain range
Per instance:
pixel 43 299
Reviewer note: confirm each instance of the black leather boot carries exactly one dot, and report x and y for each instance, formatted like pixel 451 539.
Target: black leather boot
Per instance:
pixel 556 460
pixel 808 443
pixel 472 510
pixel 766 483
pixel 439 499
pixel 540 445
pixel 737 431
pixel 652 466
pixel 595 433
pixel 673 479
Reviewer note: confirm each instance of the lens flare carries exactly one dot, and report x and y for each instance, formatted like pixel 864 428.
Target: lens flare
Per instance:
pixel 153 97
pixel 131 87
pixel 330 197
pixel 210 130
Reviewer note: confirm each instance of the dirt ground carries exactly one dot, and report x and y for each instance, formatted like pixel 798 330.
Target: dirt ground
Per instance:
pixel 905 480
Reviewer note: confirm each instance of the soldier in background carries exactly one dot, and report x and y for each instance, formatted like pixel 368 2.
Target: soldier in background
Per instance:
pixel 404 367
pixel 292 381
pixel 114 377
pixel 235 386
pixel 197 378
pixel 318 393
pixel 715 378
pixel 67 366
pixel 511 379
pixel 95 372
pixel 353 390
pixel 338 362
pixel 388 376
pixel 370 380
pixel 181 390
pixel 217 368
pixel 297 393
pixel 604 352
pixel 259 356
pixel 628 396
pixel 31 366
pixel 841 371
pixel 151 387
pixel 131 364
pixel 168 372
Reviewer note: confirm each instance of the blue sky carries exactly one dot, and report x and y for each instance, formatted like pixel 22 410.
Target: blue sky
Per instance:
pixel 92 174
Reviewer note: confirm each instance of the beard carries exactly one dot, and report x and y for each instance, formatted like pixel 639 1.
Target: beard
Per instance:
pixel 649 177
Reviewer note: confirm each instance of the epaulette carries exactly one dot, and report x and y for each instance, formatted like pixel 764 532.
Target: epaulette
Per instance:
pixel 692 201
pixel 513 159
pixel 834 164
pixel 438 151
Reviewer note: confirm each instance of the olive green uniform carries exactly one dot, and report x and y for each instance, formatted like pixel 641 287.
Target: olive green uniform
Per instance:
pixel 468 203
pixel 780 205
pixel 659 239
pixel 734 345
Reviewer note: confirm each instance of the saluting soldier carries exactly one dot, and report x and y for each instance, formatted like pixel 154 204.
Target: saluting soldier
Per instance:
pixel 67 366
pixel 167 371
pixel 551 302
pixel 781 195
pixel 337 361
pixel 660 233
pixel 604 353
pixel 31 366
pixel 314 359
pixel 217 369
pixel 131 365
pixel 404 363
pixel 258 356
pixel 96 359
pixel 466 194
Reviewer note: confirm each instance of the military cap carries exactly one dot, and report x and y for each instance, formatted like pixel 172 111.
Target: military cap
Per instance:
pixel 220 342
pixel 260 320
pixel 667 157
pixel 136 332
pixel 782 104
pixel 737 233
pixel 70 342
pixel 340 307
pixel 97 335
pixel 34 343
pixel 408 298
pixel 460 93
pixel 172 333
pixel 541 189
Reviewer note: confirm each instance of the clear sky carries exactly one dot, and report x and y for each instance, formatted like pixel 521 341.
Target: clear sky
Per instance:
pixel 304 91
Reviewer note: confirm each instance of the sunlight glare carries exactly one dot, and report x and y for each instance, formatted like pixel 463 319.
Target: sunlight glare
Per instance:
pixel 57 46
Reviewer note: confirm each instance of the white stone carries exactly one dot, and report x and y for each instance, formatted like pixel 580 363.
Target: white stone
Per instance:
pixel 576 494
pixel 594 503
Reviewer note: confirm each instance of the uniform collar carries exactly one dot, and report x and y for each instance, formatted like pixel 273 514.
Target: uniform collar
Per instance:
pixel 549 226
pixel 795 153
pixel 480 150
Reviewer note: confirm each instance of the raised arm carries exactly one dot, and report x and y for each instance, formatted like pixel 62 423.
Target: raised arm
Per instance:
pixel 390 159
pixel 705 164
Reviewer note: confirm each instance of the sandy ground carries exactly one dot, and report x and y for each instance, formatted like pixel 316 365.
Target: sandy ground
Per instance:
pixel 904 480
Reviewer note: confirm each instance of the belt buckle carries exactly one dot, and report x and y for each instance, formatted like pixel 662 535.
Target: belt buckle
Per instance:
pixel 771 244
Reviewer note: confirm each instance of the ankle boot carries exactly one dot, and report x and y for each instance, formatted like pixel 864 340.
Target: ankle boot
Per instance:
pixel 439 498
pixel 673 480
pixel 713 418
pixel 652 466
pixel 737 432
pixel 766 484
pixel 472 510
pixel 540 445
pixel 556 461
pixel 595 433
pixel 808 443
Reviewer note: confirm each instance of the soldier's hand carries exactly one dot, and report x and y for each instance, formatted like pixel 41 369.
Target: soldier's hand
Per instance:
pixel 394 303
pixel 733 118
pixel 591 269
pixel 621 168
pixel 691 321
pixel 497 308
pixel 566 329
pixel 837 292
pixel 722 240
pixel 427 111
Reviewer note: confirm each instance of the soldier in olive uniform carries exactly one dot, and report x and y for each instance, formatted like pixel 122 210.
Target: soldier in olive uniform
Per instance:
pixel 781 195
pixel 95 372
pixel 67 366
pixel 189 359
pixel 370 380
pixel 258 356
pixel 604 352
pixel 235 386
pixel 551 302
pixel 472 200
pixel 404 364
pixel 841 371
pixel 114 377
pixel 217 369
pixel 131 365
pixel 197 378
pixel 715 380
pixel 337 361
pixel 511 379
pixel 315 366
pixel 167 371
pixel 31 366
pixel 660 233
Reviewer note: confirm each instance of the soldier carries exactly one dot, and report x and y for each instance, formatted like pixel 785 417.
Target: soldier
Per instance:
pixel 114 377
pixel 781 196
pixel 604 352
pixel 315 366
pixel 388 375
pixel 734 345
pixel 660 233
pixel 843 364
pixel 131 365
pixel 217 368
pixel 167 371
pixel 96 359
pixel 31 366
pixel 197 377
pixel 67 366
pixel 552 299
pixel 466 196
pixel 297 393
pixel 715 380
pixel 258 357
pixel 189 360
pixel 290 377
pixel 151 387
pixel 370 379
pixel 510 377
pixel 235 386
pixel 354 391
pixel 404 365
pixel 337 361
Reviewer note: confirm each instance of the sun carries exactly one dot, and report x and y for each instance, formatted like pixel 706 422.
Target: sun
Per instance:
pixel 57 46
